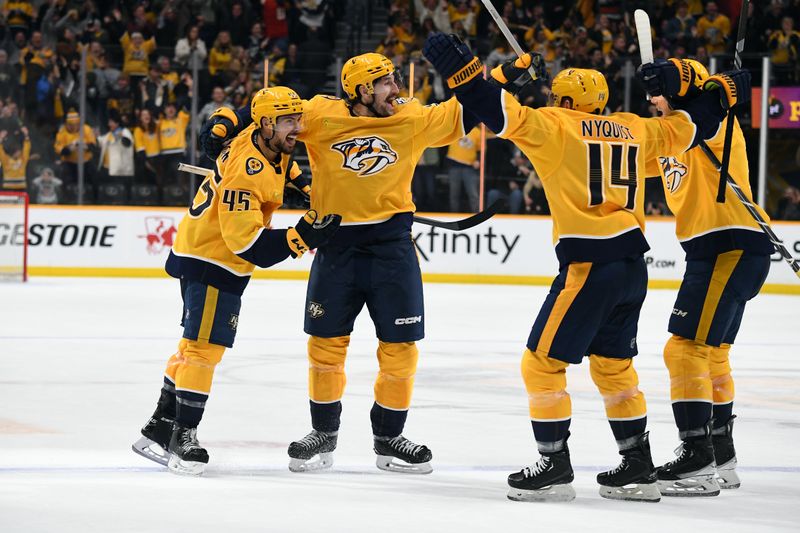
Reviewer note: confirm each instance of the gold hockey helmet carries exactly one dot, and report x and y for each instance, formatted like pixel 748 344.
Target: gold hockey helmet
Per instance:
pixel 363 70
pixel 586 89
pixel 274 102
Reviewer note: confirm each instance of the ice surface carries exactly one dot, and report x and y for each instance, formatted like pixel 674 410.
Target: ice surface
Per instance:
pixel 80 369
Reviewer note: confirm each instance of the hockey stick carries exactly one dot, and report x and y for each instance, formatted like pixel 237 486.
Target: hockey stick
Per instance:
pixel 737 63
pixel 646 52
pixel 455 225
pixel 507 34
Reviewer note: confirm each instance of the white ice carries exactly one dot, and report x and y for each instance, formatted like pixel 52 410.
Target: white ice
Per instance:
pixel 80 369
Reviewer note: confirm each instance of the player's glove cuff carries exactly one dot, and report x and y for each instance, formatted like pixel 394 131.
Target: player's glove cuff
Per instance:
pixel 464 75
pixel 733 86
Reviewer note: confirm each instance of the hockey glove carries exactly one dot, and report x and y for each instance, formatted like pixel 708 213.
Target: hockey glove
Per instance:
pixel 667 78
pixel 216 131
pixel 506 74
pixel 310 233
pixel 302 184
pixel 452 58
pixel 733 86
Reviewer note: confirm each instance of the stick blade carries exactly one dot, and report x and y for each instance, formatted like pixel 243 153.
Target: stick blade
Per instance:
pixel 642 21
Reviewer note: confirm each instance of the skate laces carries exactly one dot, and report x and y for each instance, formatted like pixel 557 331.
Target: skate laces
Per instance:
pixel 403 445
pixel 541 465
pixel 188 439
pixel 312 440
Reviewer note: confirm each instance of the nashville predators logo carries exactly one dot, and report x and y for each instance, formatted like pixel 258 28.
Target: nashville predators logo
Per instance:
pixel 674 171
pixel 366 155
pixel 253 166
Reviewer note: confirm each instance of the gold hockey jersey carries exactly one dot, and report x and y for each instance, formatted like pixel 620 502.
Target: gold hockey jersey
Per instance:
pixel 226 231
pixel 593 169
pixel 704 227
pixel 362 166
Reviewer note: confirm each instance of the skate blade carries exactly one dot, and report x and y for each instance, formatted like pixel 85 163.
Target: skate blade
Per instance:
pixel 185 468
pixel 698 486
pixel 150 450
pixel 324 461
pixel 727 476
pixel 554 493
pixel 393 464
pixel 641 492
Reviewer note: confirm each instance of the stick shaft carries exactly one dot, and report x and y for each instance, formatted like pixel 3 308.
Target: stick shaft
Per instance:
pixel 512 41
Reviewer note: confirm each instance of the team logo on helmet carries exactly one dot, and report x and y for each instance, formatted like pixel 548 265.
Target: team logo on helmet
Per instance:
pixel 253 166
pixel 674 171
pixel 366 155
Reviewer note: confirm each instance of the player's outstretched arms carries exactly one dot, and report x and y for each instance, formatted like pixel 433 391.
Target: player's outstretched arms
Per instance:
pixel 456 63
pixel 506 75
pixel 311 232
pixel 224 124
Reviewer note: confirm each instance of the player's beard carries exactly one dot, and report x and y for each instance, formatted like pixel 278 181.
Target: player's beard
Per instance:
pixel 284 146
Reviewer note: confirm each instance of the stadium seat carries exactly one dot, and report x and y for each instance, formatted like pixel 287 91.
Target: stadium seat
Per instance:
pixel 144 194
pixel 112 194
pixel 175 195
pixel 71 194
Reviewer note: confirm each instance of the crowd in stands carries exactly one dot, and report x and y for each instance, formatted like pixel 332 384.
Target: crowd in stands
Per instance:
pixel 140 58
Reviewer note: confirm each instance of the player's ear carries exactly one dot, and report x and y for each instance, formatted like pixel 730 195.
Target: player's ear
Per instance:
pixel 566 102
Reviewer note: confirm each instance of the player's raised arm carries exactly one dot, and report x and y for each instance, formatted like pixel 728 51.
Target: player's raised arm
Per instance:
pixel 223 125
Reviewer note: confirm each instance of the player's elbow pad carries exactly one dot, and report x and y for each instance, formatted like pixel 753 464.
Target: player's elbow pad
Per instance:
pixel 484 101
pixel 270 248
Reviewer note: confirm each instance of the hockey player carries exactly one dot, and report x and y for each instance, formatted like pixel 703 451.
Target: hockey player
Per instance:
pixel 362 152
pixel 225 235
pixel 727 261
pixel 591 167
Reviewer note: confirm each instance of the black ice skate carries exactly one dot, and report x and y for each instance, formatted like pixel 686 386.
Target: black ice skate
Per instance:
pixel 410 458
pixel 693 472
pixel 635 478
pixel 316 443
pixel 549 480
pixel 187 457
pixel 155 438
pixel 725 456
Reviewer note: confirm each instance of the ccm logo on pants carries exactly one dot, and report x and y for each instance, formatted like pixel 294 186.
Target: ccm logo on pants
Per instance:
pixel 407 320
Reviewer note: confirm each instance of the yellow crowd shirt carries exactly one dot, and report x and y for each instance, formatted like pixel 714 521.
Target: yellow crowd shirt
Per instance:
pixel 703 226
pixel 231 210
pixel 65 138
pixel 714 33
pixel 362 166
pixel 14 169
pixel 172 133
pixel 146 141
pixel 592 168
pixel 136 60
pixel 466 149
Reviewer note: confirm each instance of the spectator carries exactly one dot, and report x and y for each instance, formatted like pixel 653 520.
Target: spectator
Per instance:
pixel 155 91
pixel 14 161
pixel 46 188
pixel 713 29
pixel 189 45
pixel 463 163
pixel 66 148
pixel 148 149
pixel 168 73
pixel 137 55
pixel 681 28
pixel 18 15
pixel 789 205
pixel 436 11
pixel 784 45
pixel 276 21
pixel 121 99
pixel 116 151
pixel 172 138
pixel 256 43
pixel 220 56
pixel 218 100
pixel 7 77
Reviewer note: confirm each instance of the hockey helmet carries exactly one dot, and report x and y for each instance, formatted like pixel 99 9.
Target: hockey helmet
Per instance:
pixel 274 102
pixel 363 70
pixel 586 89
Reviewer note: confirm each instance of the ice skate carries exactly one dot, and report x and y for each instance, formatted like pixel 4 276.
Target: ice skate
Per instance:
pixel 154 442
pixel 398 454
pixel 725 456
pixel 693 472
pixel 318 444
pixel 634 479
pixel 187 457
pixel 549 480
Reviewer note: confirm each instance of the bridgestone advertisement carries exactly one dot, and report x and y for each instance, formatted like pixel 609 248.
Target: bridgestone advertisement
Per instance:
pixel 107 241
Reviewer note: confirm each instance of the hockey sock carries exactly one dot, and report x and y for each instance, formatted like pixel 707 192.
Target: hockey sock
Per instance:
pixel 166 401
pixel 721 414
pixel 325 416
pixel 549 434
pixel 387 422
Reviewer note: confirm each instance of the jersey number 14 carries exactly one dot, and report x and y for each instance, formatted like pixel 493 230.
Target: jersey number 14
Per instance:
pixel 600 173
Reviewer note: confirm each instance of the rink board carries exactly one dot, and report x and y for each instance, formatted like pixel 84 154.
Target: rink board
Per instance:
pixel 131 241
